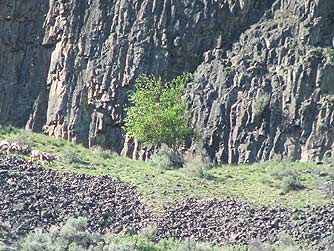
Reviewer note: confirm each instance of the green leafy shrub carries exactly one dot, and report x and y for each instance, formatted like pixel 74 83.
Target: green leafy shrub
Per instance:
pixel 74 233
pixel 70 156
pixel 158 112
pixel 125 246
pixel 132 243
pixel 316 50
pixel 167 158
pixel 233 248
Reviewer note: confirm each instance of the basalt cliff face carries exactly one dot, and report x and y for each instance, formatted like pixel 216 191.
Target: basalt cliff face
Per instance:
pixel 263 71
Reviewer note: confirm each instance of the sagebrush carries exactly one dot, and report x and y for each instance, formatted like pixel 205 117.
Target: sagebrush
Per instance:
pixel 167 158
pixel 74 236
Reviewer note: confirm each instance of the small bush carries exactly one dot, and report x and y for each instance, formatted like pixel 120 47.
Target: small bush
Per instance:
pixel 289 178
pixel 285 243
pixel 71 156
pixel 37 241
pixel 205 158
pixel 131 243
pixel 327 243
pixel 195 246
pixel 196 167
pixel 316 50
pixel 167 158
pixel 199 165
pixel 326 186
pixel 72 236
pixel 149 231
pixel 291 183
pixel 74 232
pixel 124 246
pixel 261 102
pixel 24 137
pixel 7 129
pixel 104 154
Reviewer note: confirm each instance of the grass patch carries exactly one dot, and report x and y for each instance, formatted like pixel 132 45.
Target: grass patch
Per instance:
pixel 157 187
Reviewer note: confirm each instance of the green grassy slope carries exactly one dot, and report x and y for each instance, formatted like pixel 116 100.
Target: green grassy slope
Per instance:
pixel 254 183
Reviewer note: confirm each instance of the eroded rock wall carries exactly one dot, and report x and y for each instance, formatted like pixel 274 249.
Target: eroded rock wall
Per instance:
pixel 24 62
pixel 262 74
pixel 271 95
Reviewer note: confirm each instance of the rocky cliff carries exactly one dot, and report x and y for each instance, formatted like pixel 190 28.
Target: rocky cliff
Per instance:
pixel 263 71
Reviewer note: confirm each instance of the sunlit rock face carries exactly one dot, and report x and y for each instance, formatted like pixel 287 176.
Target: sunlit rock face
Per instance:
pixel 263 71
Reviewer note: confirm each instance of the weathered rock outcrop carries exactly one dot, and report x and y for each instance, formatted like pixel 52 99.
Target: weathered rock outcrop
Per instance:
pixel 24 63
pixel 271 93
pixel 263 70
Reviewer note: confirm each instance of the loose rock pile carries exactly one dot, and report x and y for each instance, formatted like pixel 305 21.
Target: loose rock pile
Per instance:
pixel 229 220
pixel 313 224
pixel 32 196
pixel 223 220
